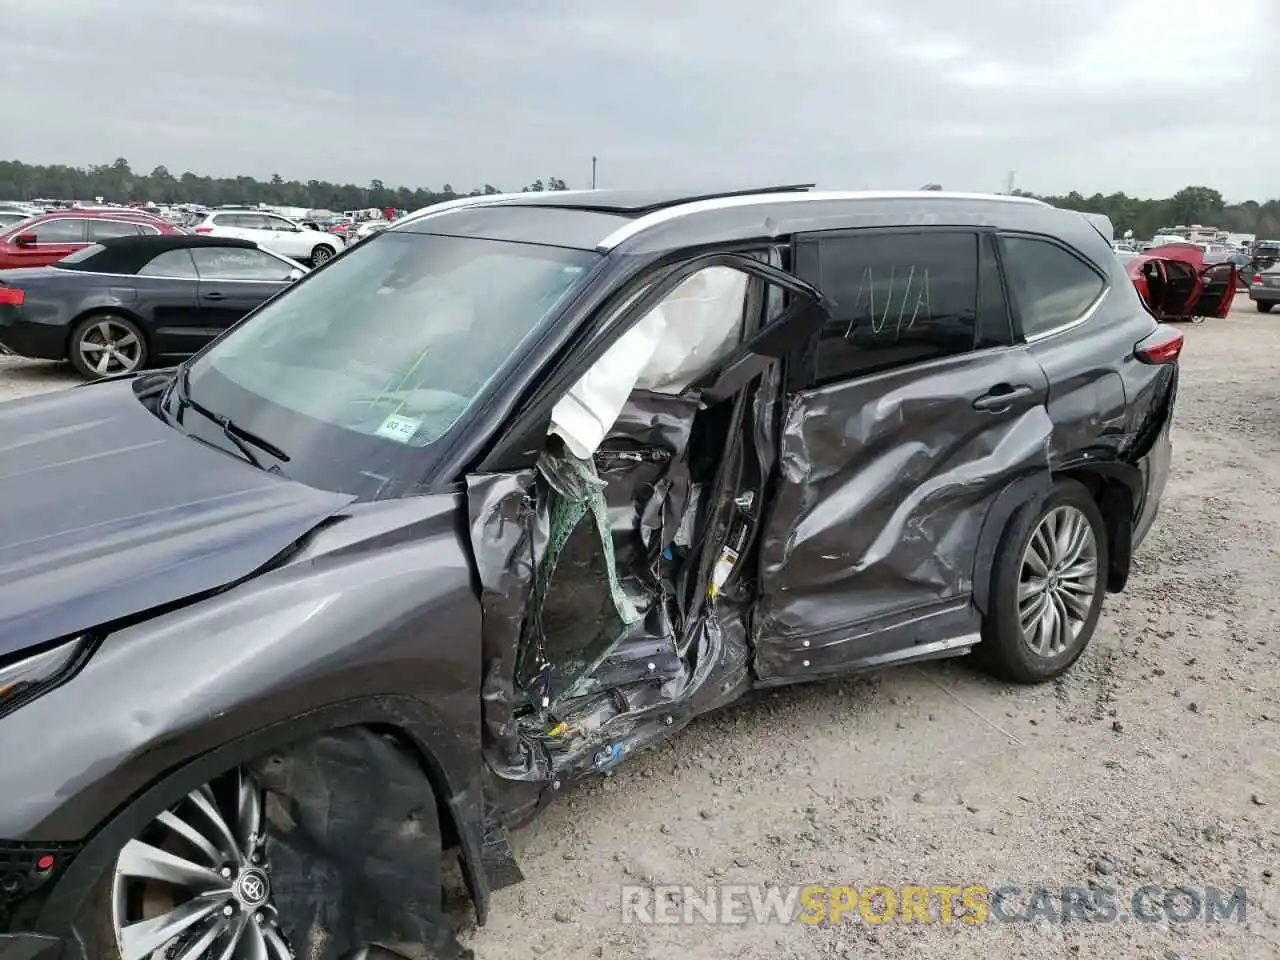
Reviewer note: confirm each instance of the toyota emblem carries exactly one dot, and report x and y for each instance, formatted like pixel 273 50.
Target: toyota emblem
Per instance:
pixel 252 888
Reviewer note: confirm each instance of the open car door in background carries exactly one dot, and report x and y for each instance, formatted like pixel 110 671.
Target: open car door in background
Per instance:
pixel 1177 284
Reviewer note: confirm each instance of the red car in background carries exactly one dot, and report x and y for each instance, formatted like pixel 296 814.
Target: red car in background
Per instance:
pixel 1177 284
pixel 48 238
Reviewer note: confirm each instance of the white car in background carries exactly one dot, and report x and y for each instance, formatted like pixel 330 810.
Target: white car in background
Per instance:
pixel 272 231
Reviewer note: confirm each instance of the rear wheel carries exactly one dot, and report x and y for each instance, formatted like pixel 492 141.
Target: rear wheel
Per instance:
pixel 1048 584
pixel 1263 307
pixel 321 255
pixel 102 345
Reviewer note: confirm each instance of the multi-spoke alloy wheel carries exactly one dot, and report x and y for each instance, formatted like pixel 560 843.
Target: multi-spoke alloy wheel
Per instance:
pixel 1058 582
pixel 195 885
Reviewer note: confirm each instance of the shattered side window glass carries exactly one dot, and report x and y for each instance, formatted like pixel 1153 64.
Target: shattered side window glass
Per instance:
pixel 899 299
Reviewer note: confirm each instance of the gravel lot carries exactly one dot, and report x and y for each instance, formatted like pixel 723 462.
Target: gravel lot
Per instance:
pixel 1156 761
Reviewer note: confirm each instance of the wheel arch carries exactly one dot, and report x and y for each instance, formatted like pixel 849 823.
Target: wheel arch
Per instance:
pixel 1116 487
pixel 455 787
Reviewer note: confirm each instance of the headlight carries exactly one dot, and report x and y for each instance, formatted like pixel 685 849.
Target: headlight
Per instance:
pixel 19 681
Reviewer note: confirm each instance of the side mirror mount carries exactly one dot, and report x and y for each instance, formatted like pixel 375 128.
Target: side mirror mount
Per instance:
pixel 25 240
pixel 295 274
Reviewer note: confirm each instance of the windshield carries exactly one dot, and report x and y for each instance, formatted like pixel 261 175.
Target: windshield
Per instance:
pixel 360 367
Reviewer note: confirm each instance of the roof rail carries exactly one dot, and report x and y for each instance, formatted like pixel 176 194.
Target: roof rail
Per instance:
pixel 449 205
pixel 649 221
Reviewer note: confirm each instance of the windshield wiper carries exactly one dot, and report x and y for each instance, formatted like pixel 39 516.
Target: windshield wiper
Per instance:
pixel 238 435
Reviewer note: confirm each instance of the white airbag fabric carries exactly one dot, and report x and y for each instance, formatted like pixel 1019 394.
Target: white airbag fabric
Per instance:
pixel 674 344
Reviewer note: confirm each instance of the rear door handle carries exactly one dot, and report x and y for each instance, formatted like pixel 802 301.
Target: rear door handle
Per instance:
pixel 1001 396
pixel 215 296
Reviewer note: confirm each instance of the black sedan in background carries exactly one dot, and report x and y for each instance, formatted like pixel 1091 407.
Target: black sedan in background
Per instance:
pixel 122 304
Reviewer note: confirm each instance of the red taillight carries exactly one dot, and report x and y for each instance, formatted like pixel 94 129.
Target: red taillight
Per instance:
pixel 1163 346
pixel 12 297
pixel 1257 278
pixel 203 230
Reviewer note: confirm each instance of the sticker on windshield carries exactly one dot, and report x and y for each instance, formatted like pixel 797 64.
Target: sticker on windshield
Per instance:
pixel 399 428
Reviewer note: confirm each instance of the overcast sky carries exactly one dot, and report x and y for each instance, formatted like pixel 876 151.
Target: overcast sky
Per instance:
pixel 1144 96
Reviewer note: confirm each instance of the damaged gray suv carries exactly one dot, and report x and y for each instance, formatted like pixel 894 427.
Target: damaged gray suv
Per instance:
pixel 511 491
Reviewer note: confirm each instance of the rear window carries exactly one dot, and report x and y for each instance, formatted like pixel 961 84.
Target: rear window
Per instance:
pixel 76 261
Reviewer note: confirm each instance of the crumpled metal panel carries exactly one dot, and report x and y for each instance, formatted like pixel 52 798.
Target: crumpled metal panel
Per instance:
pixel 353 839
pixel 506 535
pixel 882 495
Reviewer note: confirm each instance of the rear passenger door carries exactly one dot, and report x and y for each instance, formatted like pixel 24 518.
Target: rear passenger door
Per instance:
pixel 915 408
pixel 1054 290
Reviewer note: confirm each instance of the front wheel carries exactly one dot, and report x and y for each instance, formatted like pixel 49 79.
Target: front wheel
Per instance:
pixel 1263 307
pixel 321 255
pixel 1048 584
pixel 103 345
pixel 195 882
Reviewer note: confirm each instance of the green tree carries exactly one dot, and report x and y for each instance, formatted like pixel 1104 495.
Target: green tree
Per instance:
pixel 117 182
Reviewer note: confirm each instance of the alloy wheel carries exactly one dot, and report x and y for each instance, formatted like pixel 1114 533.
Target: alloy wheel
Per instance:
pixel 109 347
pixel 321 256
pixel 196 884
pixel 1058 581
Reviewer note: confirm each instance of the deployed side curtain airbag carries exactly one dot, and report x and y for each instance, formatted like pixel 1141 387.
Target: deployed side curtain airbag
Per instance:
pixel 668 349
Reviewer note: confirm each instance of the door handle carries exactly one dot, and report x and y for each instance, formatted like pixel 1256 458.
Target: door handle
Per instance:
pixel 215 296
pixel 1001 396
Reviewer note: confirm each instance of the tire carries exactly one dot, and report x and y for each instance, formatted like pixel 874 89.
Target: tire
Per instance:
pixel 1040 653
pixel 227 912
pixel 1263 307
pixel 239 856
pixel 322 254
pixel 128 346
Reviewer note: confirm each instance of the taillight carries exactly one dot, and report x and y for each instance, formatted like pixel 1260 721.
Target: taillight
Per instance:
pixel 1163 346
pixel 12 297
pixel 203 230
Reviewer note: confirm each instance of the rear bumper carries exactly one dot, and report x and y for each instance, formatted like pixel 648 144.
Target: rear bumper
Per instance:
pixel 29 946
pixel 40 341
pixel 1264 294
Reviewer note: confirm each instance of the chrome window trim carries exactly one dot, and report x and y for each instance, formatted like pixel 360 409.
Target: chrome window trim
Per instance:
pixel 1084 318
pixel 1085 315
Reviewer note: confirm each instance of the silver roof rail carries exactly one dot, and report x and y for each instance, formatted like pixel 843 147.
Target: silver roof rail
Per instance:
pixel 649 221
pixel 449 205
pixel 480 200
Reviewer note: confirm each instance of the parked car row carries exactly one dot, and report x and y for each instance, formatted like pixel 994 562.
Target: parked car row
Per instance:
pixel 118 305
pixel 269 230
pixel 507 494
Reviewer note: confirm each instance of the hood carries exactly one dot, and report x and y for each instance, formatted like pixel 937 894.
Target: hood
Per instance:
pixel 107 512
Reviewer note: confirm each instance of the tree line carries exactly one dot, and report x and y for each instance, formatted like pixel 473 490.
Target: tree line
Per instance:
pixel 118 182
pixel 1190 205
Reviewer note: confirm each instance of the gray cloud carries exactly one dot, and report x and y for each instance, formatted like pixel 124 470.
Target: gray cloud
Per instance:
pixel 1143 96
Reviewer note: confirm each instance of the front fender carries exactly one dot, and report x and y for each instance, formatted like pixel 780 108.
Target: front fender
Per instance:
pixel 400 621
pixel 452 775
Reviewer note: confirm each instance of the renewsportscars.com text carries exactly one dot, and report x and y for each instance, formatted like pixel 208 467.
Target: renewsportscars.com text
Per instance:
pixel 825 904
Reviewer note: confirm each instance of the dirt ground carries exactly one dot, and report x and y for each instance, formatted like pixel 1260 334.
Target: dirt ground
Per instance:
pixel 1156 761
